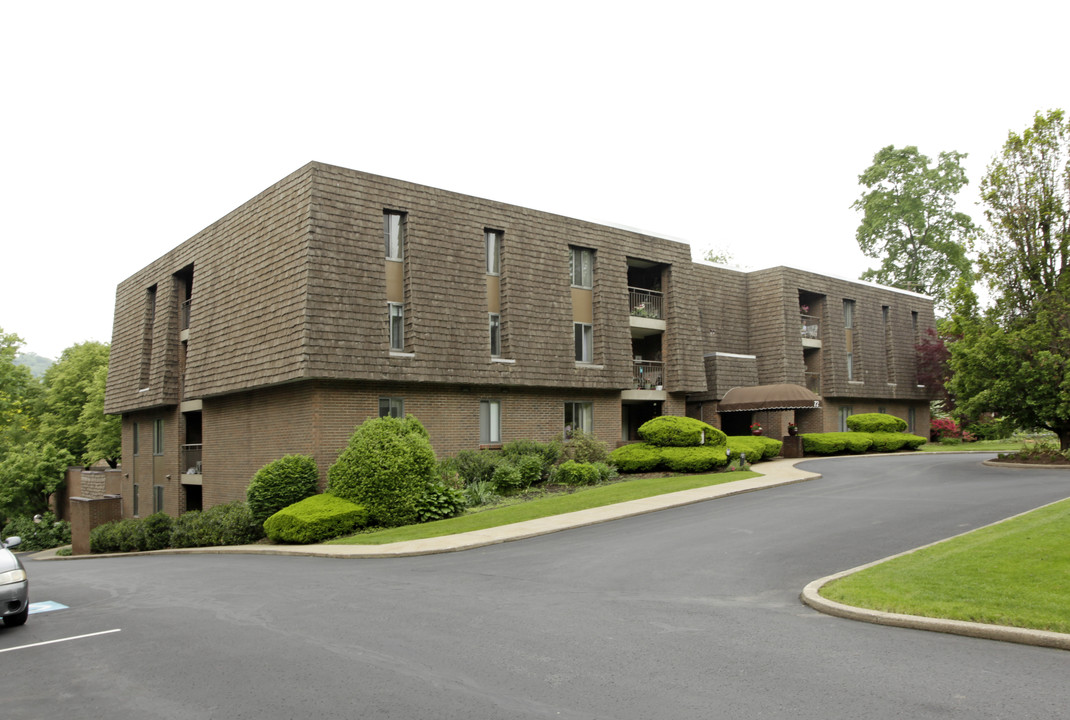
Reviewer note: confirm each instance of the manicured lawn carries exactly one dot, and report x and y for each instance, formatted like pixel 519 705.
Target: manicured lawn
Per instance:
pixel 1015 573
pixel 985 445
pixel 581 499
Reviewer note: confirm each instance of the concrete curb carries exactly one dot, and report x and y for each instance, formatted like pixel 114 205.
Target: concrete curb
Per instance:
pixel 1041 638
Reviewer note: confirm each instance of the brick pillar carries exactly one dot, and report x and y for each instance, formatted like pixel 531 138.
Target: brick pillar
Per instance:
pixel 86 514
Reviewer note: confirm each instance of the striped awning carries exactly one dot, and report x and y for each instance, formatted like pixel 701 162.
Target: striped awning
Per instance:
pixel 768 397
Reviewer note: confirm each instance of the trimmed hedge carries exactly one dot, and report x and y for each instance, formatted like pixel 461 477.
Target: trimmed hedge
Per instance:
pixel 876 423
pixel 858 442
pixel 280 484
pixel 675 431
pixel 757 447
pixel 637 457
pixel 230 524
pixel 571 472
pixel 386 468
pixel 315 519
pixel 693 459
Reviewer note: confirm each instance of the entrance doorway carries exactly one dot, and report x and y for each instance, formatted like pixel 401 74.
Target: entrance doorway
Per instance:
pixel 632 416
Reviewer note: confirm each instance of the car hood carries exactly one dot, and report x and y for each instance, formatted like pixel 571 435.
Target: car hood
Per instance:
pixel 8 561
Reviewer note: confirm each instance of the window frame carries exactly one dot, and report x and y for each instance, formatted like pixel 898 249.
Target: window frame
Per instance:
pixel 850 357
pixel 585 410
pixel 845 412
pixel 394 235
pixel 490 422
pixel 492 242
pixel 494 326
pixel 157 437
pixel 396 312
pixel 136 501
pixel 157 499
pixel 848 314
pixel 136 442
pixel 578 270
pixel 393 404
pixel 583 339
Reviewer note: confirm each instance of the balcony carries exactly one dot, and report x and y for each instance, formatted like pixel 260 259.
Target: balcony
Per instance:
pixel 813 382
pixel 646 316
pixel 648 375
pixel 811 331
pixel 191 464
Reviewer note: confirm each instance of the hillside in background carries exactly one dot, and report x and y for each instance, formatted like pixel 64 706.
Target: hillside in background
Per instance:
pixel 35 362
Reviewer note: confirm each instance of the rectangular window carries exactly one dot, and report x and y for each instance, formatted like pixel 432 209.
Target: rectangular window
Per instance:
pixel 495 334
pixel 850 367
pixel 581 266
pixel 490 422
pixel 394 235
pixel 579 416
pixel 391 407
pixel 157 498
pixel 584 342
pixel 849 314
pixel 135 439
pixel 914 320
pixel 910 420
pixel 846 411
pixel 397 326
pixel 493 240
pixel 136 501
pixel 157 437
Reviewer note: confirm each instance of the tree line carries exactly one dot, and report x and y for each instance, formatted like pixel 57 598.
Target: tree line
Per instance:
pixel 1011 357
pixel 51 423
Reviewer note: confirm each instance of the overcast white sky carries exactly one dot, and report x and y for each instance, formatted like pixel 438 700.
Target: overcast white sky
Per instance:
pixel 129 126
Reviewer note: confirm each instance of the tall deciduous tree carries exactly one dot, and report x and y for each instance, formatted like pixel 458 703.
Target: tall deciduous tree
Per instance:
pixel 910 224
pixel 1015 359
pixel 102 432
pixel 18 391
pixel 67 389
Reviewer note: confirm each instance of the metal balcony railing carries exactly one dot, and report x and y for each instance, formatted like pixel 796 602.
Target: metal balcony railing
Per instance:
pixel 645 303
pixel 648 374
pixel 183 315
pixel 191 459
pixel 811 327
pixel 813 382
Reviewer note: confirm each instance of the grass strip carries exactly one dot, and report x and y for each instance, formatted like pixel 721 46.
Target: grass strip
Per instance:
pixel 1015 573
pixel 979 445
pixel 582 499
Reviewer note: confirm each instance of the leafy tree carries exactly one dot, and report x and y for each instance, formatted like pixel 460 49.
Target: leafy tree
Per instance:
pixel 18 392
pixel 718 255
pixel 910 224
pixel 67 389
pixel 1015 359
pixel 29 474
pixel 934 369
pixel 103 433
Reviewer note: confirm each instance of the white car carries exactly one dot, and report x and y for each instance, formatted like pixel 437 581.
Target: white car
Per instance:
pixel 14 587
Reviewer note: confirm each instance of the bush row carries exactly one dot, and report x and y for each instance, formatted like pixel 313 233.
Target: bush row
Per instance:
pixel 44 535
pixel 231 524
pixel 859 442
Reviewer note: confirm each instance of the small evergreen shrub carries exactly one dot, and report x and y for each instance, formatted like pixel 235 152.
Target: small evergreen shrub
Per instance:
pixel 675 431
pixel 230 524
pixel 45 535
pixel 280 484
pixel 531 469
pixel 156 532
pixel 584 447
pixel 888 441
pixel 386 468
pixel 118 536
pixel 824 443
pixel 507 478
pixel 440 502
pixel 914 441
pixel 876 422
pixel 315 519
pixel 636 457
pixel 548 453
pixel 694 459
pixel 476 465
pixel 571 472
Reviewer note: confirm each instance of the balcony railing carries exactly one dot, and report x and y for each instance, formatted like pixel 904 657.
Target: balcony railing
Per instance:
pixel 191 459
pixel 648 374
pixel 813 382
pixel 645 303
pixel 183 315
pixel 811 327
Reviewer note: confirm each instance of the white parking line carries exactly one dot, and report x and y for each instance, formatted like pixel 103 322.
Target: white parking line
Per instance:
pixel 50 642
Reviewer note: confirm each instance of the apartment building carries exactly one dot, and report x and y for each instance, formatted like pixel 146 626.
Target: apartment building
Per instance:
pixel 336 295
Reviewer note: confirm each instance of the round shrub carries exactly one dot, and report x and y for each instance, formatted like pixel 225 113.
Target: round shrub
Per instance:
pixel 636 457
pixel 230 524
pixel 475 465
pixel 757 447
pixel 281 483
pixel 507 478
pixel 675 431
pixel 386 468
pixel 156 532
pixel 914 441
pixel 571 472
pixel 876 422
pixel 824 443
pixel 440 502
pixel 315 519
pixel 531 468
pixel 693 459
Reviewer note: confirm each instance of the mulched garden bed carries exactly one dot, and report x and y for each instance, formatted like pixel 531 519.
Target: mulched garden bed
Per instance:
pixel 1034 458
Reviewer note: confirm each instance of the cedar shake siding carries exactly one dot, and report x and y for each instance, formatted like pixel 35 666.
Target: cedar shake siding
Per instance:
pixel 269 332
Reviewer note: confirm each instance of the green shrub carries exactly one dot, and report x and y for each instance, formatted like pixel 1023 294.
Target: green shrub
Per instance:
pixel 636 457
pixel 230 524
pixel 571 472
pixel 315 519
pixel 888 441
pixel 531 469
pixel 675 431
pixel 476 465
pixel 507 478
pixel 45 535
pixel 824 443
pixel 694 459
pixel 280 484
pixel 584 447
pixel 386 468
pixel 875 422
pixel 991 429
pixel 118 536
pixel 440 502
pixel 548 453
pixel 479 493
pixel 156 532
pixel 914 441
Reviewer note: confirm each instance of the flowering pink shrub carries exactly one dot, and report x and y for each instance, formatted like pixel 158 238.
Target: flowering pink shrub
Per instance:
pixel 941 428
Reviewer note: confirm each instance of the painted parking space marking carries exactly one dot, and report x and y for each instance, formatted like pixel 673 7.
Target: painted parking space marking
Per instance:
pixel 46 606
pixel 52 642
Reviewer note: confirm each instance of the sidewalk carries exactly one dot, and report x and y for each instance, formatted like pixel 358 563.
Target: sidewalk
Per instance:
pixel 774 473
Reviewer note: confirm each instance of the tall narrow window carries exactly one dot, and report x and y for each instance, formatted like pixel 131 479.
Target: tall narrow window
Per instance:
pixel 910 420
pixel 391 407
pixel 394 235
pixel 850 367
pixel 157 498
pixel 135 443
pixel 495 334
pixel 157 437
pixel 397 326
pixel 846 411
pixel 849 336
pixel 584 342
pixel 581 266
pixel 849 314
pixel 579 416
pixel 490 422
pixel 136 501
pixel 914 320
pixel 493 240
